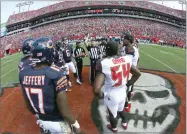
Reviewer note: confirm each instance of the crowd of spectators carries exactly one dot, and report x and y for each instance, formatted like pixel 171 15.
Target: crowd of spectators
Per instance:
pixel 102 26
pixel 71 4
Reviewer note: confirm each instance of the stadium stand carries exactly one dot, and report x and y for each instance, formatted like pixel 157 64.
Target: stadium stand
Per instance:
pixel 75 19
pixel 72 4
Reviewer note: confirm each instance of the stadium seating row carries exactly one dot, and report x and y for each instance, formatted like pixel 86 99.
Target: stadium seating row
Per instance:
pixel 104 26
pixel 71 4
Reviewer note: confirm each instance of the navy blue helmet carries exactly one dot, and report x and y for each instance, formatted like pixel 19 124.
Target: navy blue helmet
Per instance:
pixel 64 41
pixel 27 46
pixel 58 44
pixel 43 50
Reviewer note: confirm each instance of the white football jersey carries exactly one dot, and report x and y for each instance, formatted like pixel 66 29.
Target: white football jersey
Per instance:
pixel 116 71
pixel 135 57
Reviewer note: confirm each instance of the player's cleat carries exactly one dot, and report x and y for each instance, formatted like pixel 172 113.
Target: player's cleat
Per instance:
pixel 69 84
pixel 124 125
pixel 127 109
pixel 68 90
pixel 78 81
pixel 114 130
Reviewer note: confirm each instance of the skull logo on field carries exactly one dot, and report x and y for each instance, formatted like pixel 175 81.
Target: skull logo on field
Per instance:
pixel 154 106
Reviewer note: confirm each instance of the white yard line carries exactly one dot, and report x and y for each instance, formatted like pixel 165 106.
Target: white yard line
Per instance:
pixel 8 65
pixel 159 61
pixel 9 56
pixel 14 59
pixel 156 45
pixel 8 95
pixel 180 58
pixel 9 72
pixel 6 62
pixel 172 54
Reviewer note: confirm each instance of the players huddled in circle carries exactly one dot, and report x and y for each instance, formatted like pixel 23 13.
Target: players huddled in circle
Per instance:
pixel 44 78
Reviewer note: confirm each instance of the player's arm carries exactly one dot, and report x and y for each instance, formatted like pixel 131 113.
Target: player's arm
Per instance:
pixel 86 40
pixel 99 80
pixel 62 101
pixel 135 75
pixel 74 54
pixel 27 103
pixel 20 66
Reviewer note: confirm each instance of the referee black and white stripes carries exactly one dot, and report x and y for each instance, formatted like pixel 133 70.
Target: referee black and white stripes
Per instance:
pixel 79 54
pixel 102 48
pixel 94 52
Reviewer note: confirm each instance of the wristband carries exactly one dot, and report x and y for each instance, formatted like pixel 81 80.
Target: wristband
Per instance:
pixel 76 124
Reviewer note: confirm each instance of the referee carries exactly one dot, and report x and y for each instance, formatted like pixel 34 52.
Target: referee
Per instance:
pixel 79 54
pixel 94 53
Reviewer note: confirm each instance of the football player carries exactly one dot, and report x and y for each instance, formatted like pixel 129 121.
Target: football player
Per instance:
pixel 137 55
pixel 67 51
pixel 58 55
pixel 26 61
pixel 129 48
pixel 59 61
pixel 44 90
pixel 113 72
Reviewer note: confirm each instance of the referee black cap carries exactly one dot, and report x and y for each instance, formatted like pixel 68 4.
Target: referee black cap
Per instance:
pixel 78 42
pixel 64 38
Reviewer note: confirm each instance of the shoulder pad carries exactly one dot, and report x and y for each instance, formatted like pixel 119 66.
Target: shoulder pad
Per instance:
pixel 53 72
pixel 129 50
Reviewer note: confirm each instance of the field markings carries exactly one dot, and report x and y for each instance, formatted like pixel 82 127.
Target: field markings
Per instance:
pixel 9 56
pixel 170 53
pixel 8 95
pixel 158 61
pixel 176 48
pixel 14 60
pixel 7 62
pixel 8 72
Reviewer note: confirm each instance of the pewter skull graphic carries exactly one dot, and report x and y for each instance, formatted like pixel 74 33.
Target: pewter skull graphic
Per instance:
pixel 154 107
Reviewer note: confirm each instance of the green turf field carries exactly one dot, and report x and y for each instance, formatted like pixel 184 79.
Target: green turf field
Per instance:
pixel 151 57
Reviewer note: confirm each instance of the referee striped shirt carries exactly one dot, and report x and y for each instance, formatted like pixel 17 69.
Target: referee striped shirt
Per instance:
pixel 78 52
pixel 94 52
pixel 102 48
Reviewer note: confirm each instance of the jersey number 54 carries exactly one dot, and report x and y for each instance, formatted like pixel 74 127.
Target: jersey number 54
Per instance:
pixel 120 75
